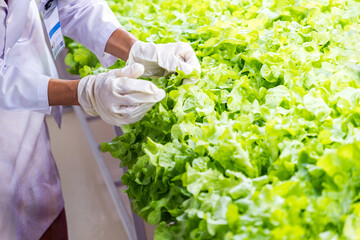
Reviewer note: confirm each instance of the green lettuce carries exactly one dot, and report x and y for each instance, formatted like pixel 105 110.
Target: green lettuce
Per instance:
pixel 267 144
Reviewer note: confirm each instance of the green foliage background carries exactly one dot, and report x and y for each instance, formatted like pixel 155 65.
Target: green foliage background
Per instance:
pixel 267 144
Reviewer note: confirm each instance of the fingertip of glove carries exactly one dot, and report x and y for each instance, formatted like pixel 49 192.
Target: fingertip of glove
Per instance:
pixel 138 68
pixel 133 70
pixel 161 94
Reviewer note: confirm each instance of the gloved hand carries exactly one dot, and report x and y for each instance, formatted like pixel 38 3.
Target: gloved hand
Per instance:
pixel 117 96
pixel 161 59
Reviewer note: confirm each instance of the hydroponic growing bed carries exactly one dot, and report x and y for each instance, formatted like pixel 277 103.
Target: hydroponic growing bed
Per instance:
pixel 267 144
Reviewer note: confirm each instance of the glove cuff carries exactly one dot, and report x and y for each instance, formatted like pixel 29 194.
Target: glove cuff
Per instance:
pixel 85 94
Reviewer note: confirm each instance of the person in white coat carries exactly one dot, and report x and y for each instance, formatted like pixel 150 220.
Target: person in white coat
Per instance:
pixel 31 202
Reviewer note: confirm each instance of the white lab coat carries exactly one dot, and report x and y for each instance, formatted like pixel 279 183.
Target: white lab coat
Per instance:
pixel 30 190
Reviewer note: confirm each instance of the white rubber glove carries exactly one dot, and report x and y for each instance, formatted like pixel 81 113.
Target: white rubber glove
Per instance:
pixel 117 96
pixel 161 59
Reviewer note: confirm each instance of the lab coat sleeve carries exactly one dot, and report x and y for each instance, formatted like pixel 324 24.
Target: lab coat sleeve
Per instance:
pixel 91 23
pixel 23 90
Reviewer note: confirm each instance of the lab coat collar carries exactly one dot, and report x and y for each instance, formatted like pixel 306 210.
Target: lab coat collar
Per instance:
pixel 16 20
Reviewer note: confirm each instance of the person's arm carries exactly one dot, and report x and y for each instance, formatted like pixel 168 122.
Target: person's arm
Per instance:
pixel 64 92
pixel 117 96
pixel 23 89
pixel 93 24
pixel 120 43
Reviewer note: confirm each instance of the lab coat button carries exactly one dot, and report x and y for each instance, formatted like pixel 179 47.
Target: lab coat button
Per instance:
pixel 7 51
pixel 8 20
